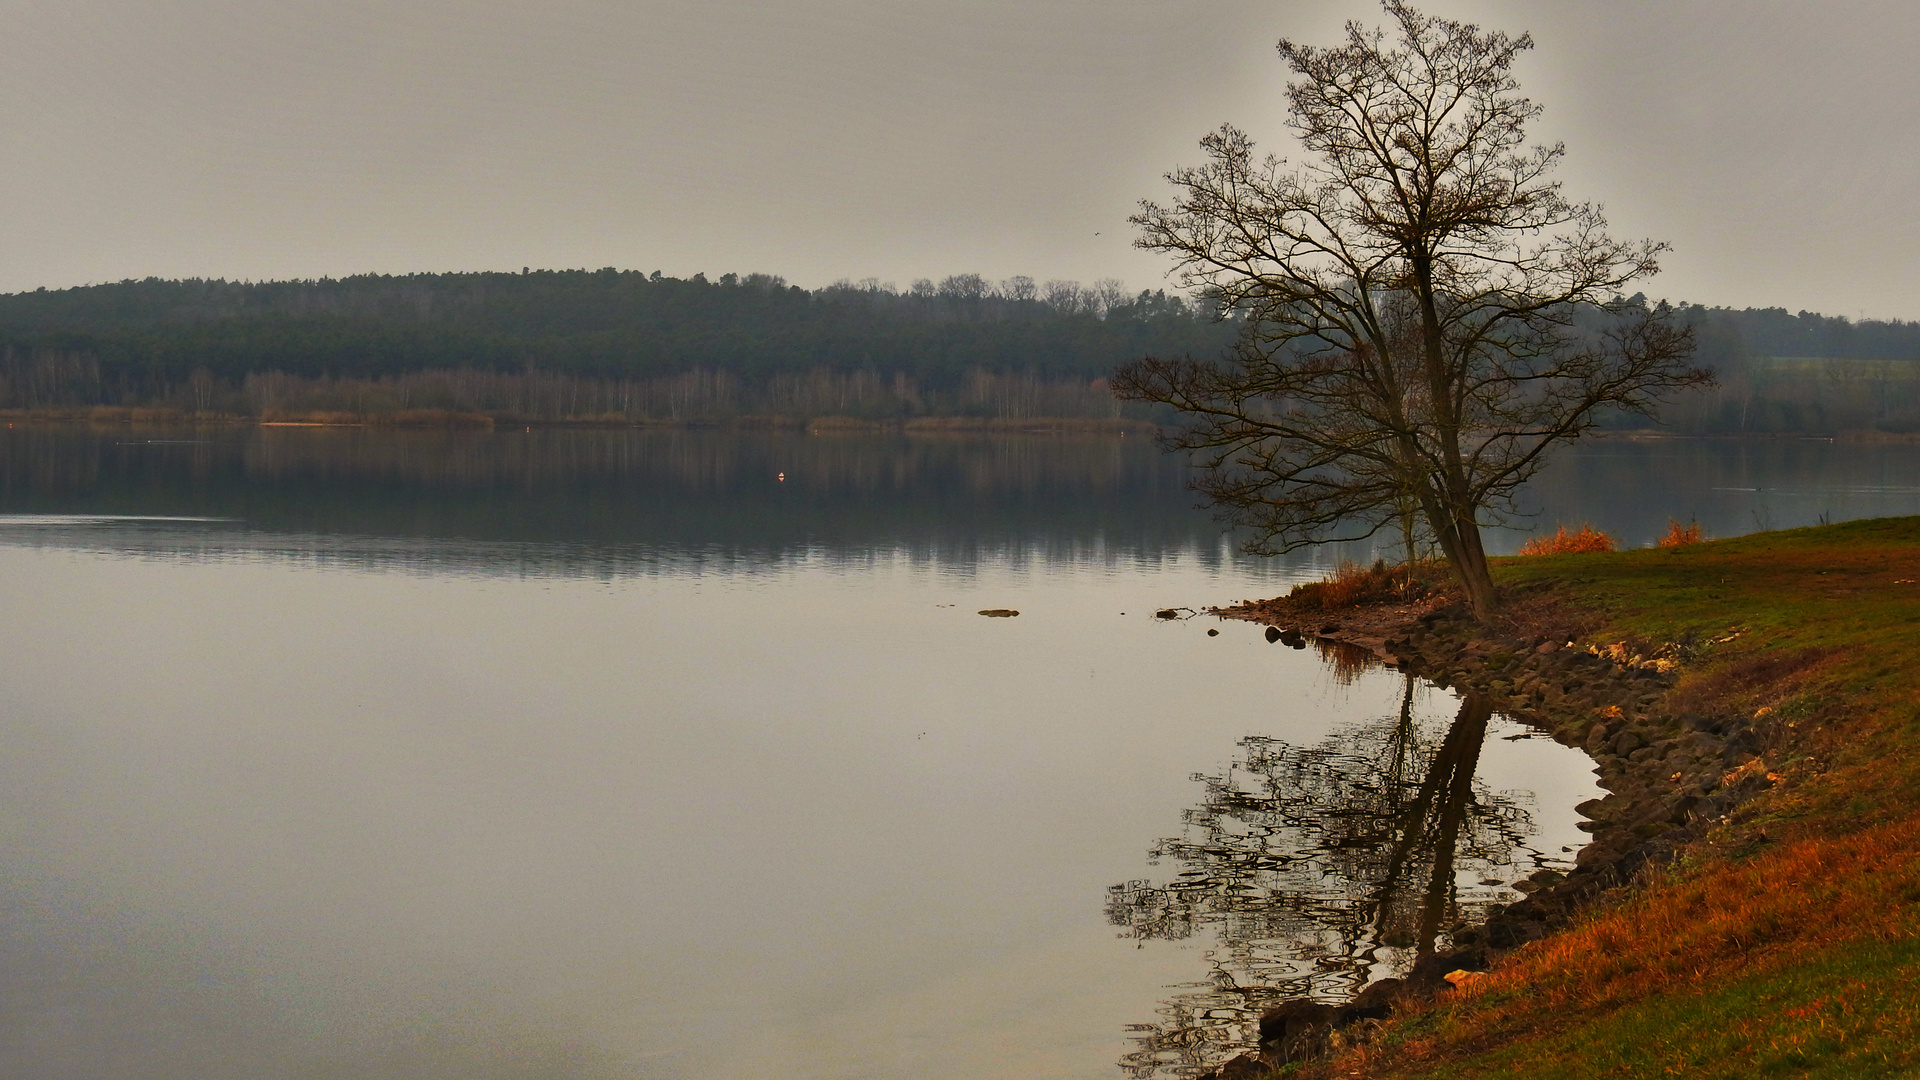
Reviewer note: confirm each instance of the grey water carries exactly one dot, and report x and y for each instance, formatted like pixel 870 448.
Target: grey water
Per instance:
pixel 583 754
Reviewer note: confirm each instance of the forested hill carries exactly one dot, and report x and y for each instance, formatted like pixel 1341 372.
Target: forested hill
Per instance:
pixel 1732 336
pixel 622 344
pixel 604 323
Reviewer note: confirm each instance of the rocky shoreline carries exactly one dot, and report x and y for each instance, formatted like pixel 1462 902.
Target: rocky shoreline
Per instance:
pixel 1670 775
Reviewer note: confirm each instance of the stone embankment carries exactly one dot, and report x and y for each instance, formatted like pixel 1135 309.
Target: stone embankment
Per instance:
pixel 1669 777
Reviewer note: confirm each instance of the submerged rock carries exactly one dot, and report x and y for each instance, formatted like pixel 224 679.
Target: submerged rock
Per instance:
pixel 998 612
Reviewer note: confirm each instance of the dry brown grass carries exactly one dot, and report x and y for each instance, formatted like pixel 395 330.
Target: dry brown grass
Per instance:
pixel 1679 535
pixel 1353 585
pixel 1785 905
pixel 1562 542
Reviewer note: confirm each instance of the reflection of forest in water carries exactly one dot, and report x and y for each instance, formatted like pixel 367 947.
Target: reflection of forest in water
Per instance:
pixel 1319 869
pixel 615 500
pixel 608 497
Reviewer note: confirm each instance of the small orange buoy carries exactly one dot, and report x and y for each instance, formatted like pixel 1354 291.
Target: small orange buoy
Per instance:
pixel 782 477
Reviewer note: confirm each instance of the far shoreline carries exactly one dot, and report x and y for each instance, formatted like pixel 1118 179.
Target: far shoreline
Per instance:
pixel 454 420
pixel 451 420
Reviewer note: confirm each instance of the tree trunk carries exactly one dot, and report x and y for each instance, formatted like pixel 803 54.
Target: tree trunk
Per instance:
pixel 1458 535
pixel 1475 578
pixel 1459 527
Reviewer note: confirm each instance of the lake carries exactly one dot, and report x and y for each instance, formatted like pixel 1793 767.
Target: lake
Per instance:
pixel 585 754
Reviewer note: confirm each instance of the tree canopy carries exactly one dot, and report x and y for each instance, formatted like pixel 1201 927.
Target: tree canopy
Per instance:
pixel 1426 313
pixel 601 323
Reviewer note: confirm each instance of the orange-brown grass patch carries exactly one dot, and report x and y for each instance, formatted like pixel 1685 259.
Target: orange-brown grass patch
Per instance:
pixel 1353 585
pixel 1679 535
pixel 1679 937
pixel 1562 542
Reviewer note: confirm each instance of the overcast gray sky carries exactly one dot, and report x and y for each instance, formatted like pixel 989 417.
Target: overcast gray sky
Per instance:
pixel 1775 144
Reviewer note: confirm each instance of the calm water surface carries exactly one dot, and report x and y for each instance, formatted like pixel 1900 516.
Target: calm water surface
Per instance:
pixel 604 754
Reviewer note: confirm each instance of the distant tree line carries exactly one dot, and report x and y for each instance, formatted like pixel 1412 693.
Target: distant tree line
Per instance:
pixel 1782 372
pixel 559 344
pixel 577 343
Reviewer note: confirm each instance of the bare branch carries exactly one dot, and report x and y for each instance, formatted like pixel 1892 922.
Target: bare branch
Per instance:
pixel 1426 313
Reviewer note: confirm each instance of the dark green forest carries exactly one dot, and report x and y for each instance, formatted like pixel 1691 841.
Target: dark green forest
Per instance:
pixel 585 344
pixel 611 346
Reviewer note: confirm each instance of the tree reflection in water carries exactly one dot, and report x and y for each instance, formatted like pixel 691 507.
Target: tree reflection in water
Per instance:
pixel 1320 869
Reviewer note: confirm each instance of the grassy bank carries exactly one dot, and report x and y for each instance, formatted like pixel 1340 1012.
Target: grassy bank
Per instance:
pixel 1785 941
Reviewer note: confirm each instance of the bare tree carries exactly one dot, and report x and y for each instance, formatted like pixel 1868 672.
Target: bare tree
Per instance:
pixel 1063 296
pixel 1426 314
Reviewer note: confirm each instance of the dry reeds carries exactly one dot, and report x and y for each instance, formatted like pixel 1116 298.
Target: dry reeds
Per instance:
pixel 1562 542
pixel 1352 585
pixel 1679 535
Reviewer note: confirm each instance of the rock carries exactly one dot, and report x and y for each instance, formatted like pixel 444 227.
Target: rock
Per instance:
pixel 1627 742
pixel 1374 1002
pixel 1297 1030
pixel 1292 639
pixel 1293 1017
pixel 1166 613
pixel 1596 738
pixel 1211 632
pixel 1273 634
pixel 1429 971
pixel 1545 648
pixel 998 612
pixel 1244 1067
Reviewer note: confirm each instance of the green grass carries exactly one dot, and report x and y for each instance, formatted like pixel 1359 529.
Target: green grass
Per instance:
pixel 1852 1011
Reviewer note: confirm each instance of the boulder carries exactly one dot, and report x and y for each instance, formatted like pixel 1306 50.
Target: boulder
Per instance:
pixel 1244 1067
pixel 1297 1030
pixel 1429 972
pixel 1374 1002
